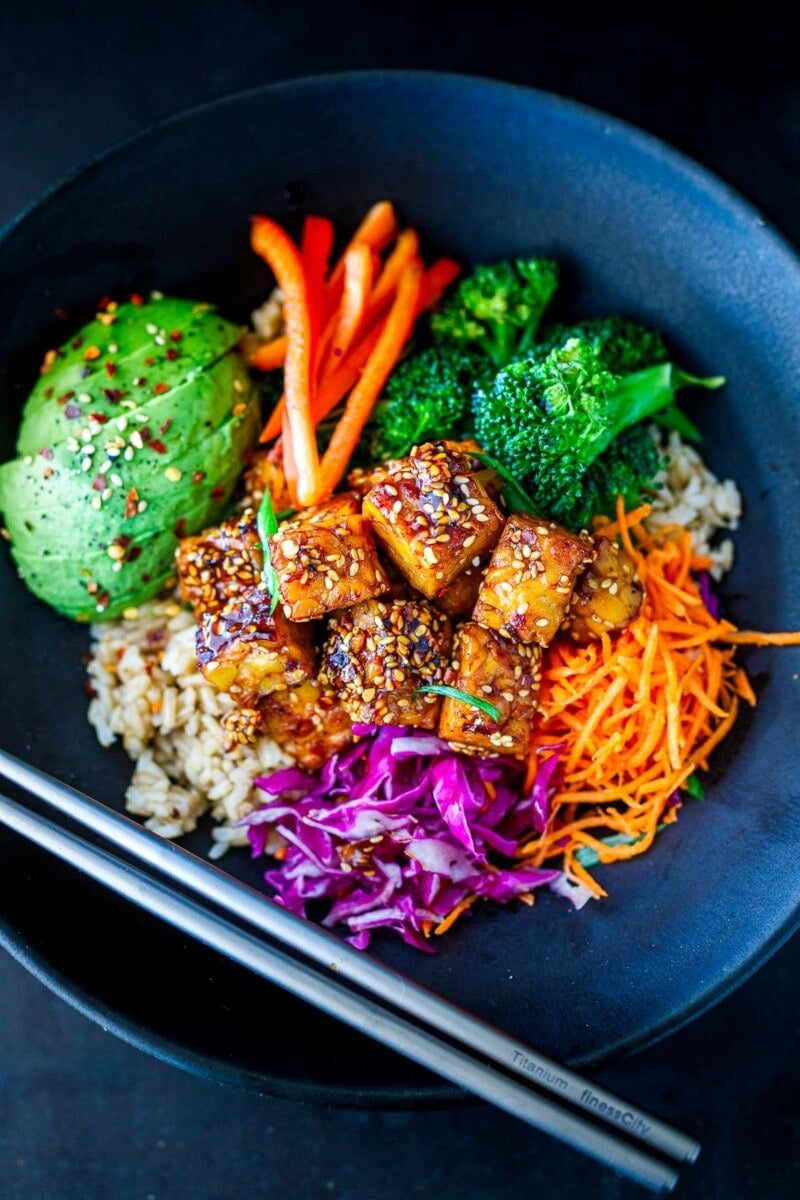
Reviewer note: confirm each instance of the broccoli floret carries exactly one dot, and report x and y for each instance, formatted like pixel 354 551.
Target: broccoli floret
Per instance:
pixel 498 308
pixel 549 420
pixel 622 345
pixel 627 468
pixel 427 397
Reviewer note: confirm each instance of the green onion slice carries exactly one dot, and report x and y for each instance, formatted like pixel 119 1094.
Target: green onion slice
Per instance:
pixel 266 525
pixel 443 689
pixel 515 495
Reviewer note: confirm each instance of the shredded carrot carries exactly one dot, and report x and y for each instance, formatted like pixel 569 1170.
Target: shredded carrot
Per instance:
pixel 641 712
pixel 451 918
pixel 376 230
pixel 406 249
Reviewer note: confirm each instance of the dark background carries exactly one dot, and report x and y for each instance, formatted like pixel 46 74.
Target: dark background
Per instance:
pixel 85 1117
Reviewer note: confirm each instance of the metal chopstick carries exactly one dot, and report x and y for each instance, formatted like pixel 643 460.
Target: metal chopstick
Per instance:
pixel 330 952
pixel 335 998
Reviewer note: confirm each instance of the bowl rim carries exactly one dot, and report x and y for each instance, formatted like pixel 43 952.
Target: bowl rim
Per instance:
pixel 401 1096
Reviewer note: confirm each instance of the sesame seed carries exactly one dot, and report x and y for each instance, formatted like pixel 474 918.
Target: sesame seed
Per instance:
pixel 542 622
pixel 141 506
pixel 115 551
pixel 116 480
pixel 130 614
pixel 96 502
pixel 173 474
pixel 151 328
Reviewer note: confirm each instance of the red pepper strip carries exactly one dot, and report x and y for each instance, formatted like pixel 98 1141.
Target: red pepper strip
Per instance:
pixel 357 287
pixel 338 382
pixel 340 379
pixel 316 248
pixel 377 230
pixel 289 464
pixel 270 355
pixel 278 250
pixel 406 248
pixel 361 401
pixel 437 279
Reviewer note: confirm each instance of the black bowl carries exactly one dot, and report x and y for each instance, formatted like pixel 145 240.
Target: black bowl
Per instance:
pixel 484 170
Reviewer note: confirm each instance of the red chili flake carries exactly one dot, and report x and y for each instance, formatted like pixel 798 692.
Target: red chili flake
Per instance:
pixel 166 425
pixel 76 345
pixel 99 484
pixel 131 503
pixel 217 493
pixel 48 393
pixel 72 411
pixel 103 601
pixel 136 299
pixel 47 472
pixel 150 361
pixel 60 314
pixel 198 477
pixel 46 452
pixel 63 399
pixel 172 354
pixel 146 578
pixel 111 369
pixel 160 389
pixel 176 335
pixel 104 302
pixel 146 433
pixel 91 353
pixel 92 588
pixel 101 418
pixel 113 395
pixel 139 381
pixel 158 446
pixel 180 528
pixel 123 540
pixel 133 553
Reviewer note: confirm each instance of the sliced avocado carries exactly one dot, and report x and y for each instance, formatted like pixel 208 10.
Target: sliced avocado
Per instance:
pixel 146 349
pixel 163 433
pixel 62 579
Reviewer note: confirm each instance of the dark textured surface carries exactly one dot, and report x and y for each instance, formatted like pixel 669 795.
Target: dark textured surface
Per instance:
pixel 97 89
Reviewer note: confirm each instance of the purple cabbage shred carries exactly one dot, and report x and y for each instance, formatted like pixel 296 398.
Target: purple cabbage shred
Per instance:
pixel 398 829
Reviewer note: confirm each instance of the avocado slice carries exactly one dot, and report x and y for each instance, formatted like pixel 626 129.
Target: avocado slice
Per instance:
pixel 60 572
pixel 148 349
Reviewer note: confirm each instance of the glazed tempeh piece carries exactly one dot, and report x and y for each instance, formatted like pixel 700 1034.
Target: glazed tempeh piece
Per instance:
pixel 308 722
pixel 433 516
pixel 326 562
pixel 266 475
pixel 606 597
pixel 461 597
pixel 244 651
pixel 377 655
pixel 219 564
pixel 507 674
pixel 528 583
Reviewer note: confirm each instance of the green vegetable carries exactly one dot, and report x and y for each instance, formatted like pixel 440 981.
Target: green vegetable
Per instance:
pixel 498 308
pixel 622 345
pixel 444 689
pixel 428 397
pixel 548 419
pixel 266 525
pixel 132 438
pixel 694 788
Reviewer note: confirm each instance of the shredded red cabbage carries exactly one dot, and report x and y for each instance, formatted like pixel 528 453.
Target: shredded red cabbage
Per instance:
pixel 708 595
pixel 398 829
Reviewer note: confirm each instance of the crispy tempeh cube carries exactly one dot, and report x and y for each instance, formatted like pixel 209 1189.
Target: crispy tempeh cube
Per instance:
pixel 324 564
pixel 507 674
pixel 363 479
pixel 244 651
pixel 219 564
pixel 528 583
pixel 606 597
pixel 330 512
pixel 377 655
pixel 308 722
pixel 433 518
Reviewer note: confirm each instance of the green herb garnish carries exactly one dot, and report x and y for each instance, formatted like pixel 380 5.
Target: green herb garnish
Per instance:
pixel 266 525
pixel 443 689
pixel 694 787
